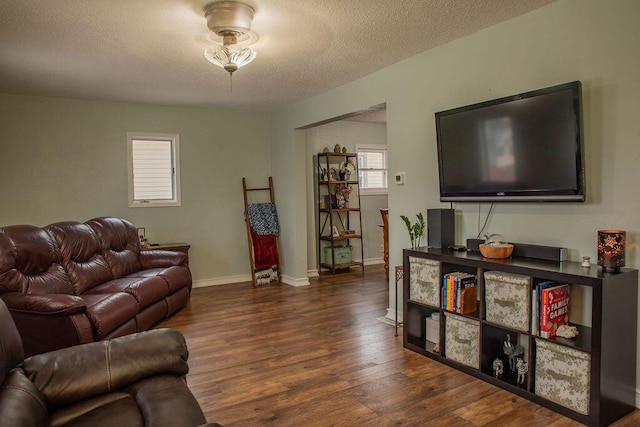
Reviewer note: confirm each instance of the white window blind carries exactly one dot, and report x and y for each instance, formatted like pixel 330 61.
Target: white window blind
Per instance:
pixel 372 169
pixel 153 170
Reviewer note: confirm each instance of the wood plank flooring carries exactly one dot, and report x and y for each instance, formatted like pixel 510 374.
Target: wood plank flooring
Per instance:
pixel 316 355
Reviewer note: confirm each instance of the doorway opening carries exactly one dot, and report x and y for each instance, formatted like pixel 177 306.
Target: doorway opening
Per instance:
pixel 366 128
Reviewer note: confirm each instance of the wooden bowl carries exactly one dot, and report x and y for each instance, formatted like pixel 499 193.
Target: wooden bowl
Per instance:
pixel 502 250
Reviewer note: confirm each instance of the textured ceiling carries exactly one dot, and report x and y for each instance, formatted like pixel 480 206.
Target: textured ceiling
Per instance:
pixel 151 51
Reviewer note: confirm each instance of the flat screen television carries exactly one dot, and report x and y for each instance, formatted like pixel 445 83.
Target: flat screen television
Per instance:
pixel 525 147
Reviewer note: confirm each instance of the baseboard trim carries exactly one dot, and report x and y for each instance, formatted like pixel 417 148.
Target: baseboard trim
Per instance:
pixel 285 279
pixel 221 281
pixel 246 278
pixel 391 314
pixel 295 282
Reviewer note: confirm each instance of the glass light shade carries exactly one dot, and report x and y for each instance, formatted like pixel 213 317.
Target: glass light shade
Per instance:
pixel 230 57
pixel 611 249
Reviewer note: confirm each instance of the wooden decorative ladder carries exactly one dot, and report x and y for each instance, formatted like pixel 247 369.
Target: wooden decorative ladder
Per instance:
pixel 250 242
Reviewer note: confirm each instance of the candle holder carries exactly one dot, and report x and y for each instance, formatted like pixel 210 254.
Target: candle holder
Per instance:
pixel 611 250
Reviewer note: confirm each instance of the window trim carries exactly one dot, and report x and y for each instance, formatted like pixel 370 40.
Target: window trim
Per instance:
pixel 375 147
pixel 175 154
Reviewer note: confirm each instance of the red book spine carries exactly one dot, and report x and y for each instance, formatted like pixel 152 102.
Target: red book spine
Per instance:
pixel 554 310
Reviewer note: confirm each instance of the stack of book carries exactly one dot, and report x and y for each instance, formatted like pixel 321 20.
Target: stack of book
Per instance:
pixel 549 308
pixel 459 293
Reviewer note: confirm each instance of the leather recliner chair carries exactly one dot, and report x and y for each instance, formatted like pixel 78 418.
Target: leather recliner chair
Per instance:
pixel 135 380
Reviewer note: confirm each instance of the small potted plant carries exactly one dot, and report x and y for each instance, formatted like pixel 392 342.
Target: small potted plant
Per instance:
pixel 416 231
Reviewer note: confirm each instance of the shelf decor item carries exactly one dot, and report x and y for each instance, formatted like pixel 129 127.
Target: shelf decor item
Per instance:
pixel 495 247
pixel 611 250
pixel 322 173
pixel 346 168
pixel 142 235
pixel 522 367
pixel 498 368
pixel 416 231
pixel 342 193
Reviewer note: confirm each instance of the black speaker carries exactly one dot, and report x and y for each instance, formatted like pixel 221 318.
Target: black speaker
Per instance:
pixel 441 231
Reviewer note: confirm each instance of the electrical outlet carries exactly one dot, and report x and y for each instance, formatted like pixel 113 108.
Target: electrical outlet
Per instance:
pixel 381 248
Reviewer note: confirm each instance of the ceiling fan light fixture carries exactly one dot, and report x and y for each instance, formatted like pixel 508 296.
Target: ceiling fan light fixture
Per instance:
pixel 230 55
pixel 229 20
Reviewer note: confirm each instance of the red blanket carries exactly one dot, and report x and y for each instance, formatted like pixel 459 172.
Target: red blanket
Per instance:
pixel 265 250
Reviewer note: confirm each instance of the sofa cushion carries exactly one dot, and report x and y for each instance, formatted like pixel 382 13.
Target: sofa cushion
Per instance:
pixel 108 311
pixel 31 262
pixel 81 254
pixel 127 328
pixel 176 277
pixel 21 403
pixel 177 300
pixel 146 290
pixel 152 315
pixel 10 344
pixel 151 393
pixel 142 404
pixel 120 244
pixel 112 409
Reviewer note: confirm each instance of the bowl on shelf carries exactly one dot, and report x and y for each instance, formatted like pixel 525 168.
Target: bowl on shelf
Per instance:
pixel 496 250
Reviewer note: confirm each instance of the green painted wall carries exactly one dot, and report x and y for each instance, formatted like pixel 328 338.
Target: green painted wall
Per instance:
pixel 589 40
pixel 66 159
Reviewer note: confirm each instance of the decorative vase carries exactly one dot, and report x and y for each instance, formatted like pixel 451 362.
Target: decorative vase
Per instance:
pixel 611 250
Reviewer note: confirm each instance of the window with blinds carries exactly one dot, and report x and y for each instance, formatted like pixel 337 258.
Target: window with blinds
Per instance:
pixel 372 169
pixel 153 170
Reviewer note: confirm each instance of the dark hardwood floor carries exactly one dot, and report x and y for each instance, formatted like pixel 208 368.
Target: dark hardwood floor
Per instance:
pixel 316 355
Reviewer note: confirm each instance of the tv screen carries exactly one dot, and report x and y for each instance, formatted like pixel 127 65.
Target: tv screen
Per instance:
pixel 525 147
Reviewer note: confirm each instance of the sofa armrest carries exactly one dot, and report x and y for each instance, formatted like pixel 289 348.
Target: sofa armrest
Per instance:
pixel 47 304
pixel 49 322
pixel 158 258
pixel 87 370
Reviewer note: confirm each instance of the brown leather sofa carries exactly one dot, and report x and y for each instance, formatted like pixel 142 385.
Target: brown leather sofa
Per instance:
pixel 72 283
pixel 137 380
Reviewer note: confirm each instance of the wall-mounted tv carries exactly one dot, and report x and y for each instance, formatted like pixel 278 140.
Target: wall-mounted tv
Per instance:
pixel 525 147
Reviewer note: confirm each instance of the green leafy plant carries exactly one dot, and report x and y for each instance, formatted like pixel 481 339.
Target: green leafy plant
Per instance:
pixel 416 231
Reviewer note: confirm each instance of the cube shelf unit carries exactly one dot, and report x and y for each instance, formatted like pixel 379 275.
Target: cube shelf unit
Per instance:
pixel 335 251
pixel 590 378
